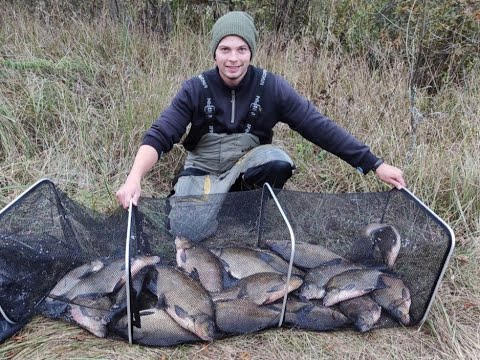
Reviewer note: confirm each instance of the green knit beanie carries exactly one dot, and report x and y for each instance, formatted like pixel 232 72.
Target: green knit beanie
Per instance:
pixel 234 23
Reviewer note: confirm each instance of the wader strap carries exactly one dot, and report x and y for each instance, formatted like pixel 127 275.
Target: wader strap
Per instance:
pixel 209 108
pixel 255 110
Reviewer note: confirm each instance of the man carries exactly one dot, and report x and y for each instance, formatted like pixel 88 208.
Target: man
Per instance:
pixel 232 110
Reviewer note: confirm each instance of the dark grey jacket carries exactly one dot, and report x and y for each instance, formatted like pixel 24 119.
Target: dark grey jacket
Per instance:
pixel 280 103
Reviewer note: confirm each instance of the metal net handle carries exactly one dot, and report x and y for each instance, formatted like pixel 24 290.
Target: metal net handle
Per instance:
pixel 5 316
pixel 127 272
pixel 292 253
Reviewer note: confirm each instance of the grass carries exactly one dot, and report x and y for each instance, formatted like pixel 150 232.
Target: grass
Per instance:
pixel 76 98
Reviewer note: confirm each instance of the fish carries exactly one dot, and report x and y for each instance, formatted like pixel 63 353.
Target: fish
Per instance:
pixel 157 329
pixel 110 278
pixel 387 239
pixel 90 282
pixel 73 277
pixel 119 299
pixel 241 262
pixel 185 300
pixel 395 298
pixel 195 258
pixel 307 256
pixel 55 304
pixel 311 316
pixel 89 314
pixel 363 311
pixel 261 288
pixel 316 279
pixel 352 283
pixel 241 316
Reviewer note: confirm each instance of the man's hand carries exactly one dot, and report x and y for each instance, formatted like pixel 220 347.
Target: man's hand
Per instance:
pixel 129 190
pixel 391 175
pixel 146 157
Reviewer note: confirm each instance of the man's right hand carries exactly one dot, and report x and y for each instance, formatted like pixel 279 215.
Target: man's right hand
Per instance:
pixel 130 190
pixel 146 157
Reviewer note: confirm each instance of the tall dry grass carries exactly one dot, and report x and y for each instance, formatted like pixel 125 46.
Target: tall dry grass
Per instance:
pixel 76 98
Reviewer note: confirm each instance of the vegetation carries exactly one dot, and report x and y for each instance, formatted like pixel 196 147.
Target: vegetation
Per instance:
pixel 82 81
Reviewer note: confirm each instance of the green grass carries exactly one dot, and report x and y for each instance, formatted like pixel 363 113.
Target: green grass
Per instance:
pixel 77 97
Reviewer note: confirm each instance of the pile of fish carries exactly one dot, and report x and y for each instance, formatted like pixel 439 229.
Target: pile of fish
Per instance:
pixel 213 292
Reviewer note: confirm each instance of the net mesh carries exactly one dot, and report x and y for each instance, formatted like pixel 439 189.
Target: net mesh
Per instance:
pixel 362 260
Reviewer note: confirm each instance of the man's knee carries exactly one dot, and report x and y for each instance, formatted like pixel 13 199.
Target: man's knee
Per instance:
pixel 275 172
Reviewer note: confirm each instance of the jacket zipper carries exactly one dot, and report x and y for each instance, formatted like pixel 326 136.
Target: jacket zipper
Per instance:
pixel 232 120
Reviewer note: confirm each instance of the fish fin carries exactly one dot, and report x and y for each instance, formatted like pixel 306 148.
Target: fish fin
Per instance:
pixel 390 273
pixel 372 264
pixel 336 261
pixel 273 246
pixel 305 309
pixel 180 312
pixel 243 291
pixel 225 264
pixel 152 285
pixel 118 286
pixel 381 284
pixel 146 312
pixel 266 257
pixel 183 256
pixel 349 287
pixel 161 303
pixel 194 274
pixel 86 275
pixel 276 288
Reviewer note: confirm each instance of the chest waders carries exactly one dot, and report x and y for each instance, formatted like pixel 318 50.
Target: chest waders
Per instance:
pixel 214 164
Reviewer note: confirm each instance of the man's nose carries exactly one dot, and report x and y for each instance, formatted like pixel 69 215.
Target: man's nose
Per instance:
pixel 233 56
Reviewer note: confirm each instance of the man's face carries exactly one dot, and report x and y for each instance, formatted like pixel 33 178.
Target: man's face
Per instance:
pixel 232 58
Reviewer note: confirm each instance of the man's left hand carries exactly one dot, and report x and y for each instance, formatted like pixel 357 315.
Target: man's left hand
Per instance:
pixel 391 175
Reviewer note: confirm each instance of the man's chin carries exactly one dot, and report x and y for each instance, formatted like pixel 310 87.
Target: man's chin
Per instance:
pixel 233 77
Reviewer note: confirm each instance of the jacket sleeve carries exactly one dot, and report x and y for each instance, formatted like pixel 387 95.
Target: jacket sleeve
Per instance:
pixel 172 123
pixel 302 116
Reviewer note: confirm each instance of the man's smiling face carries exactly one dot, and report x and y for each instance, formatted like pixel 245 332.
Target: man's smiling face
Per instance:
pixel 232 58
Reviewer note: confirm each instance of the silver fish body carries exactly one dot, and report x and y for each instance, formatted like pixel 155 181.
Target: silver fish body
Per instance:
pixel 90 314
pixel 193 257
pixel 73 277
pixel 157 329
pixel 310 316
pixel 316 279
pixel 350 284
pixel 363 311
pixel 186 301
pixel 307 255
pixel 241 262
pixel 243 316
pixel 395 298
pixel 110 278
pixel 261 288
